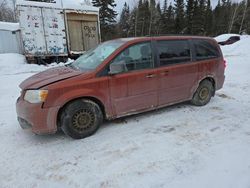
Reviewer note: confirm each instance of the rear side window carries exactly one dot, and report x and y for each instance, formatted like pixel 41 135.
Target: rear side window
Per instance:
pixel 205 50
pixel 173 51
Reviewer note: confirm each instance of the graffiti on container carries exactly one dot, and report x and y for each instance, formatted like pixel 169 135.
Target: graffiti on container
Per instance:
pixel 54 23
pixel 55 50
pixel 91 31
pixel 29 46
pixel 33 21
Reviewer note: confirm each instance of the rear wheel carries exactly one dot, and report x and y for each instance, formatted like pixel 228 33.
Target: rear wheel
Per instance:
pixel 203 93
pixel 81 118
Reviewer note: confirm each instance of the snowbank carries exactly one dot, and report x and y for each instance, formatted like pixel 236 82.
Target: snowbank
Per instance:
pixel 9 26
pixel 224 37
pixel 239 48
pixel 16 64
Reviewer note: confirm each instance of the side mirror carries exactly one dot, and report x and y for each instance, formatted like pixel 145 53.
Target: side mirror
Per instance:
pixel 116 68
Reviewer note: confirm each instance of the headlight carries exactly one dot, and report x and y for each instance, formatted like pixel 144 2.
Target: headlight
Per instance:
pixel 35 96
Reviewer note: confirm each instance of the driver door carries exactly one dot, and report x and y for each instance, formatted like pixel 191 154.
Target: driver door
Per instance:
pixel 134 89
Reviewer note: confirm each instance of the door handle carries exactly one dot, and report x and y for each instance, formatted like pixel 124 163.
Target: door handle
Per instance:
pixel 151 76
pixel 164 73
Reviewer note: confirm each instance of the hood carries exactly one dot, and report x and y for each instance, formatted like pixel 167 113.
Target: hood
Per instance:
pixel 48 77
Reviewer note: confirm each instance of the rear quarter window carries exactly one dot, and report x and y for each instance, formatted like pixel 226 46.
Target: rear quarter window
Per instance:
pixel 204 49
pixel 173 51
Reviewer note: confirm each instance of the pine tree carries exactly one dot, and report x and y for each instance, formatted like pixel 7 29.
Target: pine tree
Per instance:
pixel 170 20
pixel 124 21
pixel 164 26
pixel 142 18
pixel 179 13
pixel 196 19
pixel 209 19
pixel 158 20
pixel 152 11
pixel 247 23
pixel 217 18
pixel 139 19
pixel 107 17
pixel 202 12
pixel 132 23
pixel 189 16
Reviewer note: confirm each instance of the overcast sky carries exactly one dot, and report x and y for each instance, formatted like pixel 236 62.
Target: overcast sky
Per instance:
pixel 132 3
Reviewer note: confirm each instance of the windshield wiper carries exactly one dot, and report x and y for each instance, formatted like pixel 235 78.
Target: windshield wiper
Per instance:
pixel 72 66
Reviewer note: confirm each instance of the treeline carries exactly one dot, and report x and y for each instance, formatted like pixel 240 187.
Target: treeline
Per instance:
pixel 191 17
pixel 148 18
pixel 6 13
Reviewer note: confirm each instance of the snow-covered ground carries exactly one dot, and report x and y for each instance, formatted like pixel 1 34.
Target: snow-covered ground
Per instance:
pixel 178 146
pixel 224 37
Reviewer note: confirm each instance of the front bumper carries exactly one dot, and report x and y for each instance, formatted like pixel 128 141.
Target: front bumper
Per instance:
pixel 40 120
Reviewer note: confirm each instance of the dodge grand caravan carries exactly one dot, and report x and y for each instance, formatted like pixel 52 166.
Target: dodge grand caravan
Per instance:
pixel 118 78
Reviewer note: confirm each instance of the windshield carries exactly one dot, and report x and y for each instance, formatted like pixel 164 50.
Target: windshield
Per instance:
pixel 94 57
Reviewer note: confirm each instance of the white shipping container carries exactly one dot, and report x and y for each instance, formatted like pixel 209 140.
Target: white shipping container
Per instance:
pixel 59 29
pixel 43 30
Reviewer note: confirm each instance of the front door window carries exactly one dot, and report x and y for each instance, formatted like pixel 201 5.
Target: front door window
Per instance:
pixel 136 57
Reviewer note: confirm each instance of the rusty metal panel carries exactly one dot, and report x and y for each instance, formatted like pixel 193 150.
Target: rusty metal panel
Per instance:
pixel 83 31
pixel 90 34
pixel 82 17
pixel 75 36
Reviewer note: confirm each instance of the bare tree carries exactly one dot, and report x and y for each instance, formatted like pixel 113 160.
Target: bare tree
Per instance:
pixel 244 15
pixel 6 13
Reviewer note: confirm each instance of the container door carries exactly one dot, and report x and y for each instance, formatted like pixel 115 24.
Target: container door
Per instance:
pixel 75 36
pixel 90 34
pixel 83 31
pixel 54 29
pixel 32 30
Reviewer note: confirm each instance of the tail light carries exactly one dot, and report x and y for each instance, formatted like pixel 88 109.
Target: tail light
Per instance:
pixel 225 63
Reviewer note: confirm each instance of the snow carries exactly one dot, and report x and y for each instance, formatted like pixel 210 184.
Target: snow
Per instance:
pixel 57 4
pixel 9 26
pixel 61 4
pixel 224 37
pixel 177 146
pixel 239 48
pixel 78 5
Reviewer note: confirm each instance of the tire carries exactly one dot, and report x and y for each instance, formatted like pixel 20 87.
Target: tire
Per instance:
pixel 81 118
pixel 203 94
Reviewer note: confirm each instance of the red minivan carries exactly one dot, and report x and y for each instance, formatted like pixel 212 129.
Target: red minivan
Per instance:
pixel 119 78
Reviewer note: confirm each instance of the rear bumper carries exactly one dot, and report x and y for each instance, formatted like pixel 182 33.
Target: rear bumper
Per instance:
pixel 220 82
pixel 40 120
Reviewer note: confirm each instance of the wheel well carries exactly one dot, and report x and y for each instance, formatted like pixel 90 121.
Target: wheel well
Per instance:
pixel 212 81
pixel 95 100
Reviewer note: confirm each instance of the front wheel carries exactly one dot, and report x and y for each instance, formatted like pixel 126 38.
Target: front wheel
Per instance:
pixel 203 93
pixel 81 118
